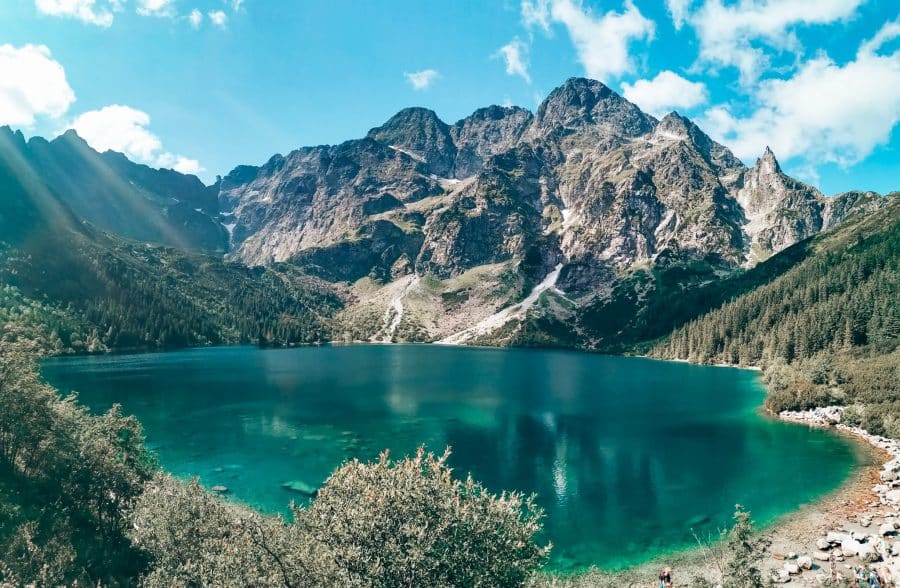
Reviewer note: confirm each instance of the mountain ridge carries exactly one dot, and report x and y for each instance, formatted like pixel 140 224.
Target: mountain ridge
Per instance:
pixel 443 226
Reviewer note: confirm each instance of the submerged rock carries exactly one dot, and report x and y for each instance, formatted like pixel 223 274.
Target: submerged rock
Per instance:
pixel 220 489
pixel 300 487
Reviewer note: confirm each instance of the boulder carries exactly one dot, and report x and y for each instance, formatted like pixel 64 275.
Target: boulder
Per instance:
pixel 823 544
pixel 850 547
pixel 792 569
pixel 836 538
pixel 893 496
pixel 886 529
pixel 300 487
pixel 867 553
pixel 781 577
pixel 805 562
pixel 220 489
pixel 895 548
pixel 820 556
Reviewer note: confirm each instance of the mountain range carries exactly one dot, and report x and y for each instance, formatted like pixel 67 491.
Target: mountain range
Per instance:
pixel 573 225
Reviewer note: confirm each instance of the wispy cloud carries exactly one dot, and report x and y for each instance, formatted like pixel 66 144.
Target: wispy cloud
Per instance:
pixel 218 18
pixel 86 11
pixel 162 8
pixel 825 112
pixel 602 42
pixel 422 80
pixel 195 18
pixel 515 55
pixel 733 35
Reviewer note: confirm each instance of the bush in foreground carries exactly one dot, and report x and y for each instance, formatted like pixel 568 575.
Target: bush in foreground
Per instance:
pixel 387 523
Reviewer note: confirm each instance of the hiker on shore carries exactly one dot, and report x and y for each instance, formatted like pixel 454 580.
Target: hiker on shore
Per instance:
pixel 665 578
pixel 874 580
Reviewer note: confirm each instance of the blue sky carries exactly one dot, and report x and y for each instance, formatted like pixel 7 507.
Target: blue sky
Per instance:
pixel 205 85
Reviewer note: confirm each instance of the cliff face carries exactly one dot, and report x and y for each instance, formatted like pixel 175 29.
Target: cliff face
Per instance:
pixel 589 183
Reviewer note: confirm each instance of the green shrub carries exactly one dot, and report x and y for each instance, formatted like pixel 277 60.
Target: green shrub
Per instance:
pixel 410 523
pixel 386 523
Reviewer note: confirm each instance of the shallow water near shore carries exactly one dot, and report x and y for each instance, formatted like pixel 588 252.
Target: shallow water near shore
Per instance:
pixel 629 456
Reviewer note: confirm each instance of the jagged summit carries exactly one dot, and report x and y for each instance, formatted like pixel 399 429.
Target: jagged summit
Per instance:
pixel 423 135
pixel 768 162
pixel 584 104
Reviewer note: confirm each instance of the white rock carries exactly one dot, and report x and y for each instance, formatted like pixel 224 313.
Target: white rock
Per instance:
pixel 820 556
pixel 886 529
pixel 850 547
pixel 781 577
pixel 834 537
pixel 792 568
pixel 895 548
pixel 823 544
pixel 893 496
pixel 867 553
pixel 805 562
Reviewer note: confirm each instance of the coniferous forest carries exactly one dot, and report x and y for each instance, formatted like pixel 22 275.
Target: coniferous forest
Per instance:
pixel 826 331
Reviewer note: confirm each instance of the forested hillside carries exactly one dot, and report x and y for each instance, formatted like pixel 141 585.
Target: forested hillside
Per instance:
pixel 827 330
pixel 117 294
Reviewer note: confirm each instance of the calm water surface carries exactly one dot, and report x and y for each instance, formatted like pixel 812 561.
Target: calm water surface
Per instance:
pixel 627 455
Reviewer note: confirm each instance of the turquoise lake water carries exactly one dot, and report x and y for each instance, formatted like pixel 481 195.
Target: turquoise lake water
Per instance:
pixel 627 455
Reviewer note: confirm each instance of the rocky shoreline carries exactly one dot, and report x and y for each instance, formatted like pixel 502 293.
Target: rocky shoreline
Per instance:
pixel 858 528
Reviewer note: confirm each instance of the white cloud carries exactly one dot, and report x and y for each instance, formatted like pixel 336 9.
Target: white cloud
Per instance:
pixel 536 13
pixel 421 80
pixel 679 10
pixel 195 18
pixel 32 84
pixel 218 18
pixel 665 92
pixel 602 42
pixel 236 5
pixel 125 129
pixel 825 112
pixel 730 35
pixel 515 54
pixel 83 10
pixel 156 7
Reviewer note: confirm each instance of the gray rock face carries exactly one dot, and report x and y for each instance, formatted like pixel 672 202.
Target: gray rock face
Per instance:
pixel 421 134
pixel 486 132
pixel 781 211
pixel 588 181
pixel 588 113
pixel 318 196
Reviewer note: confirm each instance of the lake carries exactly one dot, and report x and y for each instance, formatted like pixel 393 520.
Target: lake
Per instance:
pixel 627 455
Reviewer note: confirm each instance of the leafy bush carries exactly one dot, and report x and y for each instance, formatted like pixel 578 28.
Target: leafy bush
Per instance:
pixel 410 523
pixel 386 523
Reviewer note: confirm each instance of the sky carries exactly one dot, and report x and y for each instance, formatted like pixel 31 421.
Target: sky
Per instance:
pixel 205 85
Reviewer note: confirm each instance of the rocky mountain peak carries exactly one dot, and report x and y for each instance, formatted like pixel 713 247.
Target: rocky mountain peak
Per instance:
pixel 419 132
pixel 676 127
pixel 10 138
pixel 592 107
pixel 767 163
pixel 486 132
